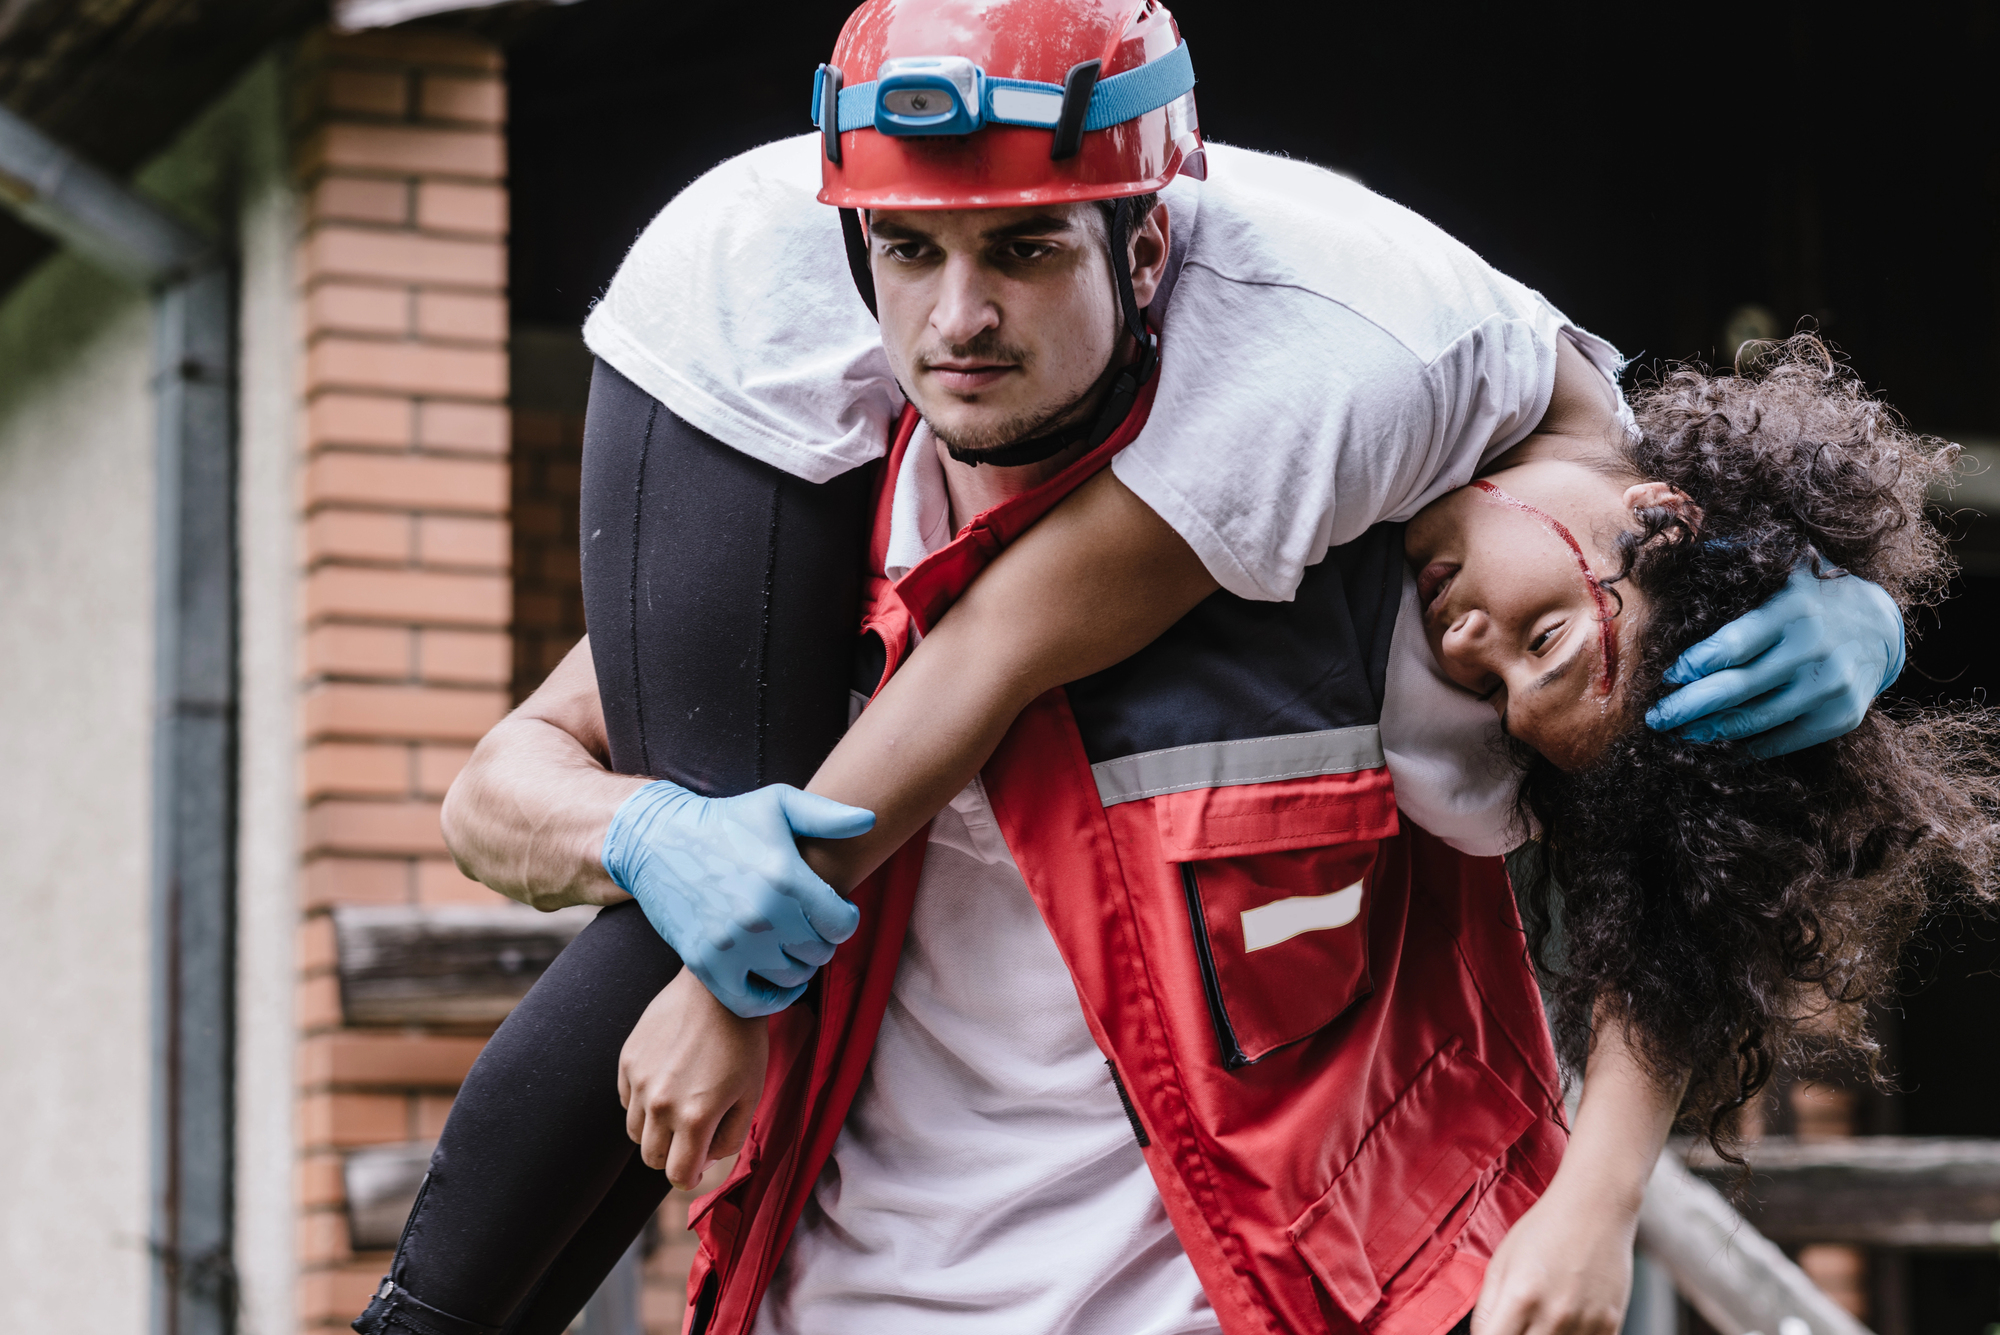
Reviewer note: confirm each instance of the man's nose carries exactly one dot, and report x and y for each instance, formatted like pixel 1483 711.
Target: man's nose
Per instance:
pixel 965 308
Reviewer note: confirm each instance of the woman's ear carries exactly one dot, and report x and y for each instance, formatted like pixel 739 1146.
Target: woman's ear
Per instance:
pixel 1663 496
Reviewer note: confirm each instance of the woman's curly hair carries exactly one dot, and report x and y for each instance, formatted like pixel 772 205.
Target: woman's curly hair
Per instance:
pixel 1716 902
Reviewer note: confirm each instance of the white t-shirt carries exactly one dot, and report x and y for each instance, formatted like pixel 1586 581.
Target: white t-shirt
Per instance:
pixel 1329 360
pixel 986 1181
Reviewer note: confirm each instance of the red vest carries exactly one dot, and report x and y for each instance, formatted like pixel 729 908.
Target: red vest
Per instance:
pixel 1327 1028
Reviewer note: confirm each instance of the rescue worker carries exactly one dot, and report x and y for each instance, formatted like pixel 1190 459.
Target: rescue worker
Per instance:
pixel 1335 1132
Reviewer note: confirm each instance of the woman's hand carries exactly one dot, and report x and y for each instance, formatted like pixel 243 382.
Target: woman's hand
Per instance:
pixel 689 1077
pixel 1564 1269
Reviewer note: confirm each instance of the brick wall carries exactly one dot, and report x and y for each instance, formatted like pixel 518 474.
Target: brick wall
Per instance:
pixel 406 591
pixel 548 599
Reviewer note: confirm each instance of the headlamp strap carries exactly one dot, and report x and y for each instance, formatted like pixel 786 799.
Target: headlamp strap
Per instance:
pixel 838 106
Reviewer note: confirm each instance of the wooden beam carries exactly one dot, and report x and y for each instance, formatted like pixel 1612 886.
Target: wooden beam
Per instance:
pixel 450 966
pixel 382 1182
pixel 1736 1278
pixel 1930 1193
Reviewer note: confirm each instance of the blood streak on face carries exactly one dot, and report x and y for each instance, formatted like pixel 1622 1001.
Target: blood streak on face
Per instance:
pixel 1607 628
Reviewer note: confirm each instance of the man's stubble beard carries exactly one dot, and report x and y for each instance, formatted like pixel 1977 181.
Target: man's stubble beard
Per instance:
pixel 1029 423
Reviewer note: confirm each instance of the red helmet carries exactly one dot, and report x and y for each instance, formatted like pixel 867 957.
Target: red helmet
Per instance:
pixel 968 104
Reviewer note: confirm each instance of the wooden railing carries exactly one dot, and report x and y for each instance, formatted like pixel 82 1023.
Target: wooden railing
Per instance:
pixel 1732 1274
pixel 1930 1193
pixel 444 966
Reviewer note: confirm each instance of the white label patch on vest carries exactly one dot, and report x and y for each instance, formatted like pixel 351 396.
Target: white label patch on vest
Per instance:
pixel 1268 924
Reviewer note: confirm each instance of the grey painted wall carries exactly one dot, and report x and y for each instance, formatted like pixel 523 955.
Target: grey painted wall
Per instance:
pixel 76 682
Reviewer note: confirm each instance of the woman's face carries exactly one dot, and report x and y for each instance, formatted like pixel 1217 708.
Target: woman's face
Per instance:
pixel 1509 576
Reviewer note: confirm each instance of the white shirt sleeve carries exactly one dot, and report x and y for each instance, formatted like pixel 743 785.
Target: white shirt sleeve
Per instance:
pixel 1444 747
pixel 736 310
pixel 1329 361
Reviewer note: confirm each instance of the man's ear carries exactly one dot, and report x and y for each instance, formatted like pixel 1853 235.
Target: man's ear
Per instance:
pixel 1663 496
pixel 1150 244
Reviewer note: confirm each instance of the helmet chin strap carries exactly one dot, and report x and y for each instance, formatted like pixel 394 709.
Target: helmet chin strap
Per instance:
pixel 1124 387
pixel 857 258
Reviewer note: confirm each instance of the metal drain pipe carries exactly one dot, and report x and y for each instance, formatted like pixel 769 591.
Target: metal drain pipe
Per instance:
pixel 194 745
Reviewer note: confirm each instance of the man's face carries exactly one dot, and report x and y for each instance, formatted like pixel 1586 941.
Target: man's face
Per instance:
pixel 997 321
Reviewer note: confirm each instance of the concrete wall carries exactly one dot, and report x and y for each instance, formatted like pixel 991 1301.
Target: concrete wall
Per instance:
pixel 76 680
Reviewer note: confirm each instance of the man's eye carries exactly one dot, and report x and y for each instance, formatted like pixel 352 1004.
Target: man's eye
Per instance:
pixel 1026 250
pixel 906 251
pixel 1535 645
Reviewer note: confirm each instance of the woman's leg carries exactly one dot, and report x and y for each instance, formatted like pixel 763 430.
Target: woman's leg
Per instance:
pixel 722 597
pixel 535 1145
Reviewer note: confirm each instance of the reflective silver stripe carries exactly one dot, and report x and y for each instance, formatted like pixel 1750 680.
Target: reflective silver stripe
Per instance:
pixel 1298 755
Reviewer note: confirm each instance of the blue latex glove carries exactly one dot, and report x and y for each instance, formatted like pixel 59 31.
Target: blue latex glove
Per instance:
pixel 722 880
pixel 1800 670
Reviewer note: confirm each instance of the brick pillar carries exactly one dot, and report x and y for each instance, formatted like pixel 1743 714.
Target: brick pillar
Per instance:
pixel 1823 1111
pixel 548 592
pixel 406 596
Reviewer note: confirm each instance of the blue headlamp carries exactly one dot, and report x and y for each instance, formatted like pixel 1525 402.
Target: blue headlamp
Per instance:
pixel 949 95
pixel 928 95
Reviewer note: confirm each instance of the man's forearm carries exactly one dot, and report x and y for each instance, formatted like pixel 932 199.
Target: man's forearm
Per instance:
pixel 527 815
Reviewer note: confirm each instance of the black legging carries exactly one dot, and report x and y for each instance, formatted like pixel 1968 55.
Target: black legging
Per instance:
pixel 722 597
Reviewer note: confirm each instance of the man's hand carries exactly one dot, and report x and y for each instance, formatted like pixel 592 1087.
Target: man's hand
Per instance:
pixel 689 1077
pixel 1564 1269
pixel 1800 670
pixel 721 879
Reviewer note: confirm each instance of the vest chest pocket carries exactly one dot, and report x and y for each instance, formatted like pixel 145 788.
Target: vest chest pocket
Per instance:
pixel 1277 882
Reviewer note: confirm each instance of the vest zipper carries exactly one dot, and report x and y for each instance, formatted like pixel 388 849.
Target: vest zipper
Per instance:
pixel 1225 1032
pixel 704 1302
pixel 1131 1113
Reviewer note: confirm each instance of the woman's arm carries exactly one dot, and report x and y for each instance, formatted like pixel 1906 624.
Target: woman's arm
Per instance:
pixel 1095 581
pixel 1566 1266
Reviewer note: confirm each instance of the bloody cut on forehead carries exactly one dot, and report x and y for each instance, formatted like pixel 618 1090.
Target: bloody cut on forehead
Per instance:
pixel 1607 627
